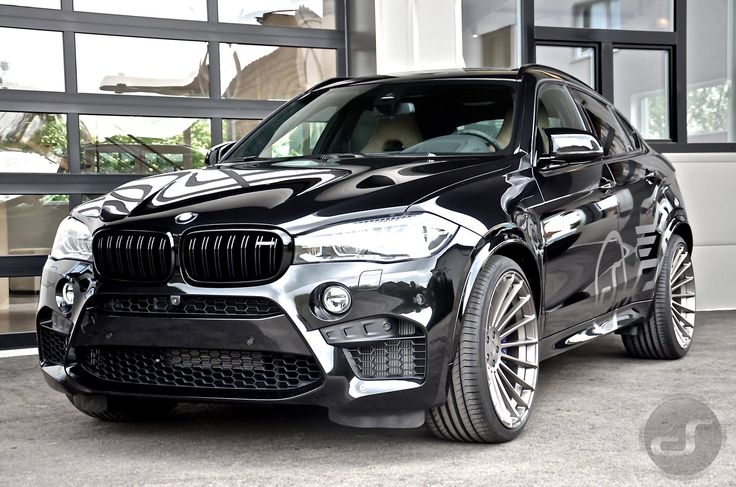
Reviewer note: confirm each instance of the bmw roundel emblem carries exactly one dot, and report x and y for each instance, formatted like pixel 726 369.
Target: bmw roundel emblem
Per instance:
pixel 185 217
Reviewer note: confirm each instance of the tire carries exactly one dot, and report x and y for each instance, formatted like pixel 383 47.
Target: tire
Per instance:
pixel 668 331
pixel 122 409
pixel 474 408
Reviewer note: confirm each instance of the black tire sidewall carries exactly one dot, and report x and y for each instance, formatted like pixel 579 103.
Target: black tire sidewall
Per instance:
pixel 497 267
pixel 663 319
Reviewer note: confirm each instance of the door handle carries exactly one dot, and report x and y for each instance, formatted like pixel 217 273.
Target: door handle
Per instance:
pixel 606 184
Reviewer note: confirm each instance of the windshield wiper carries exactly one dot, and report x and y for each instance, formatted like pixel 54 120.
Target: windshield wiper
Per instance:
pixel 242 159
pixel 341 155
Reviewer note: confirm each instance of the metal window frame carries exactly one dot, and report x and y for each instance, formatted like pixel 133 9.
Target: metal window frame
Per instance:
pixel 605 41
pixel 73 104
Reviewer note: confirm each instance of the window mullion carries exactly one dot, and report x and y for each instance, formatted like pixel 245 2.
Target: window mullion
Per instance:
pixel 678 76
pixel 605 70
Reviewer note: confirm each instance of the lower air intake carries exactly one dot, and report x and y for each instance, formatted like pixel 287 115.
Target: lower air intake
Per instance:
pixel 390 359
pixel 52 345
pixel 256 372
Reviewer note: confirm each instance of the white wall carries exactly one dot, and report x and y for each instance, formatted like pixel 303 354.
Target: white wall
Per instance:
pixel 708 183
pixel 418 35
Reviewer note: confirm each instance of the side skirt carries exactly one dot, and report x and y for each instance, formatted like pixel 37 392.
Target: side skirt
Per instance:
pixel 613 321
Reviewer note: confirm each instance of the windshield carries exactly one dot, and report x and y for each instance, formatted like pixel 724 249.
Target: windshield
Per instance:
pixel 395 118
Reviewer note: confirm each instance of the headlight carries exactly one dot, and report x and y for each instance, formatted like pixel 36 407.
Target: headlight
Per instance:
pixel 73 241
pixel 410 236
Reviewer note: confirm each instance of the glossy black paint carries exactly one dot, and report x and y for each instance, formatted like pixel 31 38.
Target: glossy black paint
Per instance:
pixel 588 236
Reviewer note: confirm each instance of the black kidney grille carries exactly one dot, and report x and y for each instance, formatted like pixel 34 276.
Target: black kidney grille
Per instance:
pixel 231 256
pixel 129 255
pixel 199 368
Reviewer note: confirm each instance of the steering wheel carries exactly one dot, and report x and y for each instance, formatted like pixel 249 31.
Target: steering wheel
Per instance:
pixel 492 141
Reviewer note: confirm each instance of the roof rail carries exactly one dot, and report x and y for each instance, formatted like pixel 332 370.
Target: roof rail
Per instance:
pixel 355 79
pixel 528 67
pixel 328 81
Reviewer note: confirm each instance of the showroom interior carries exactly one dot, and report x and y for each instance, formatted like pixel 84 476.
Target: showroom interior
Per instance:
pixel 96 93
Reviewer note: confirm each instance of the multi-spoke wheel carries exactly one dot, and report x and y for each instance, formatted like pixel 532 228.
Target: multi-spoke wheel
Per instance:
pixel 495 369
pixel 512 349
pixel 682 297
pixel 668 334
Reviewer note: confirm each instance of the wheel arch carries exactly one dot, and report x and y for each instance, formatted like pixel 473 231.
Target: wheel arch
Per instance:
pixel 507 242
pixel 525 258
pixel 682 228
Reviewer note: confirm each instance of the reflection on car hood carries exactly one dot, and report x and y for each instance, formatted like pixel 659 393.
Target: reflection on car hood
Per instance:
pixel 279 191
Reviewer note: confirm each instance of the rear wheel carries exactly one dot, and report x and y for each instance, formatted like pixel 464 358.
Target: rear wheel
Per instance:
pixel 121 408
pixel 495 369
pixel 668 333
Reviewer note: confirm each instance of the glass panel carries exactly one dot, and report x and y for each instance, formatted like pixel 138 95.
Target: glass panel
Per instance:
pixel 490 33
pixel 111 64
pixel 309 14
pixel 605 125
pixel 437 118
pixel 18 301
pixel 711 70
pixel 33 142
pixel 31 60
pixel 17 236
pixel 142 145
pixel 643 98
pixel 251 72
pixel 606 14
pixel 168 9
pixel 55 4
pixel 577 61
pixel 235 129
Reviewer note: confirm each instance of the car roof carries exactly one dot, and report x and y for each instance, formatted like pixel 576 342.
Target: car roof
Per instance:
pixel 538 71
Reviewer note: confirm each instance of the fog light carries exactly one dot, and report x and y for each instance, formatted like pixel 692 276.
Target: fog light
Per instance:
pixel 336 299
pixel 67 294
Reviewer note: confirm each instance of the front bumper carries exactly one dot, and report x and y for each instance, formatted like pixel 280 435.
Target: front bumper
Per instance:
pixel 423 293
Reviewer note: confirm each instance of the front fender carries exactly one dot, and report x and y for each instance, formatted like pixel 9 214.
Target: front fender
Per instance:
pixel 504 240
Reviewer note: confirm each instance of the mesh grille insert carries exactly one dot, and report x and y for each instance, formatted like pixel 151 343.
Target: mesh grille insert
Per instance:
pixel 52 346
pixel 199 368
pixel 390 359
pixel 189 305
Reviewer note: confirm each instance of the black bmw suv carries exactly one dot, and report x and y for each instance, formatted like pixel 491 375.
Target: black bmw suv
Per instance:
pixel 399 250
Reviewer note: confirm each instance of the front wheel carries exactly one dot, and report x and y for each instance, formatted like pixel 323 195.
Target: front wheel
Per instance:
pixel 495 369
pixel 668 333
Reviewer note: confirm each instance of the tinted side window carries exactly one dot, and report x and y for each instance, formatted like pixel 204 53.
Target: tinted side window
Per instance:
pixel 605 126
pixel 633 135
pixel 556 109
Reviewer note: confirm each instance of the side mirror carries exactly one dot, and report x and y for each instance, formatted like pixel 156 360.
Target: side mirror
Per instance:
pixel 569 146
pixel 214 155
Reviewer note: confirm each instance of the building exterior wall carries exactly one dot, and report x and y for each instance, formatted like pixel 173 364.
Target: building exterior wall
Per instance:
pixel 708 183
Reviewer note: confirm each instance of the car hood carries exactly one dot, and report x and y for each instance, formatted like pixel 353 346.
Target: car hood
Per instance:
pixel 287 193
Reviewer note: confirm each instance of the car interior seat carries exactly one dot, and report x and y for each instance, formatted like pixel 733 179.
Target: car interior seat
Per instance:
pixel 504 135
pixel 543 123
pixel 393 134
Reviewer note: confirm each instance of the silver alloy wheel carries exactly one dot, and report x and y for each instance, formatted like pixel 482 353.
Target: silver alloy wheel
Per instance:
pixel 512 349
pixel 682 296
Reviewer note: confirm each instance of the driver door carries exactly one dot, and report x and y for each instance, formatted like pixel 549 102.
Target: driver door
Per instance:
pixel 579 223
